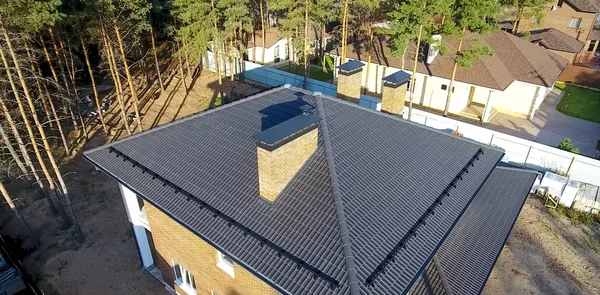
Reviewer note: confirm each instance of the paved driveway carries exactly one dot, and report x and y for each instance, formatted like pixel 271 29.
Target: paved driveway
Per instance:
pixel 550 126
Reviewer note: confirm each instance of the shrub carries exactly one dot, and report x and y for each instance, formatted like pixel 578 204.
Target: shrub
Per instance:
pixel 566 145
pixel 586 218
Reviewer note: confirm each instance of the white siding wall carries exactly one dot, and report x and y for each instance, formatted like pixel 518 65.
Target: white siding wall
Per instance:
pixel 269 52
pixel 517 98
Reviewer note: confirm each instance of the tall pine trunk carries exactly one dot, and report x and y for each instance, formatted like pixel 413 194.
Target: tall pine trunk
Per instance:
pixel 29 131
pixel 67 104
pixel 13 153
pixel 305 55
pixel 16 211
pixel 263 29
pixel 65 193
pixel 160 81
pixel 97 99
pixel 414 72
pixel 217 47
pixel 114 71
pixel 71 73
pixel 181 71
pixel 128 75
pixel 449 97
pixel 371 33
pixel 344 31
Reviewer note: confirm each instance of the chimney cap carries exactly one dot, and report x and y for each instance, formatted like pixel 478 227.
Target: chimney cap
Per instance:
pixel 287 131
pixel 397 79
pixel 351 66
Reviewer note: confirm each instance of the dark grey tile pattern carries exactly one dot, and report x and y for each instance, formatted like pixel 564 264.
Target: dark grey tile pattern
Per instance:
pixel 429 282
pixel 480 234
pixel 389 170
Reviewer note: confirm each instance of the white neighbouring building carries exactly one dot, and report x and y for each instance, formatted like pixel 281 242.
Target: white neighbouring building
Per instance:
pixel 277 48
pixel 515 80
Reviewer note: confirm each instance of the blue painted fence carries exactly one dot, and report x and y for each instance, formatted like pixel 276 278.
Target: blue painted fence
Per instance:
pixel 274 77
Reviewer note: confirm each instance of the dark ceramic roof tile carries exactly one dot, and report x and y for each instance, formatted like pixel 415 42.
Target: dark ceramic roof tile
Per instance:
pixel 556 40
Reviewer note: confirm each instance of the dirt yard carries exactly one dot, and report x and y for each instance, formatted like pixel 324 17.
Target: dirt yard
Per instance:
pixel 545 255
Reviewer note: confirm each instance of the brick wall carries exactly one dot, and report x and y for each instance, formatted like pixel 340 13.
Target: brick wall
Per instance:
pixel 559 19
pixel 392 99
pixel 348 86
pixel 174 242
pixel 276 168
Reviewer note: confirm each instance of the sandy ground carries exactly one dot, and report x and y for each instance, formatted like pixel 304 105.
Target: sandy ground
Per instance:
pixel 545 255
pixel 107 262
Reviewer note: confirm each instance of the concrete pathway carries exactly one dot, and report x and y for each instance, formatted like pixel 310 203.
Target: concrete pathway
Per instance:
pixel 550 126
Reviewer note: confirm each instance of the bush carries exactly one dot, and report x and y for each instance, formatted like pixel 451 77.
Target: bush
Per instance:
pixel 560 85
pixel 586 218
pixel 566 145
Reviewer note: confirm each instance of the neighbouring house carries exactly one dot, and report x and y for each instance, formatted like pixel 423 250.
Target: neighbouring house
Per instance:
pixel 515 80
pixel 277 48
pixel 12 280
pixel 293 192
pixel 578 19
pixel 558 42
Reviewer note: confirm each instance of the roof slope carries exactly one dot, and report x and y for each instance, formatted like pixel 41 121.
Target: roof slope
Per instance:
pixel 479 236
pixel 272 35
pixel 585 5
pixel 385 170
pixel 556 40
pixel 513 59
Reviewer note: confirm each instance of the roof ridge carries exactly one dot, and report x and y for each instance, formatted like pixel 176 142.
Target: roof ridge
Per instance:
pixel 339 204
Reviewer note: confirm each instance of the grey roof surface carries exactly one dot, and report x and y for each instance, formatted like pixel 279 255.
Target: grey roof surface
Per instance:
pixel 479 236
pixel 384 170
pixel 400 77
pixel 351 65
pixel 556 40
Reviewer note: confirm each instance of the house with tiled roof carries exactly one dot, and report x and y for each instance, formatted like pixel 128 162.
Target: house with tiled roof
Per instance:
pixel 277 46
pixel 514 80
pixel 579 22
pixel 293 192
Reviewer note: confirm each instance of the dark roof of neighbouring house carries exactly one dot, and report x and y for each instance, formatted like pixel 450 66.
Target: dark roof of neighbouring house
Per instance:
pixel 594 35
pixel 513 59
pixel 376 179
pixel 556 40
pixel 585 5
pixel 272 35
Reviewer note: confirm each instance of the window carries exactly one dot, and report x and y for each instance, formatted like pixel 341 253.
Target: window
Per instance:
pixel 444 87
pixel 592 45
pixel 184 279
pixel 597 23
pixel 225 263
pixel 277 51
pixel 575 22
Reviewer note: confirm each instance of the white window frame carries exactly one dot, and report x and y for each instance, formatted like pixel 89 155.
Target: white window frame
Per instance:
pixel 185 280
pixel 276 52
pixel 225 263
pixel 574 22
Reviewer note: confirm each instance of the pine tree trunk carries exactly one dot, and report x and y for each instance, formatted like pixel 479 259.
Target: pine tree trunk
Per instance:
pixel 97 99
pixel 345 31
pixel 231 66
pixel 71 73
pixel 414 72
pixel 459 48
pixel 129 79
pixel 187 66
pixel 42 133
pixel 29 131
pixel 67 104
pixel 38 84
pixel 217 48
pixel 160 81
pixel 181 72
pixel 305 55
pixel 13 153
pixel 36 69
pixel 263 31
pixel 14 209
pixel 116 79
pixel 371 32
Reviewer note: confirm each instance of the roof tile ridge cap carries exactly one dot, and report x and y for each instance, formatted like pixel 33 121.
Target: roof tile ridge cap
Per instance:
pixel 524 170
pixel 512 42
pixel 183 119
pixel 339 204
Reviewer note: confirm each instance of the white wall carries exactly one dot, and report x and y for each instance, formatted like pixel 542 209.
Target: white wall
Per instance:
pixel 517 97
pixel 130 200
pixel 519 151
pixel 269 52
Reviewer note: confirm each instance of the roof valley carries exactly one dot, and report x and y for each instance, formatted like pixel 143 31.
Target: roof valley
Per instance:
pixel 339 205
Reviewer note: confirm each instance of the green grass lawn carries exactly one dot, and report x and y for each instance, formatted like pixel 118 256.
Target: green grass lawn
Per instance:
pixel 580 103
pixel 314 73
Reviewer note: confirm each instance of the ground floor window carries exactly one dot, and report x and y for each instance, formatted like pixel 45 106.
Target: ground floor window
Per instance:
pixel 184 279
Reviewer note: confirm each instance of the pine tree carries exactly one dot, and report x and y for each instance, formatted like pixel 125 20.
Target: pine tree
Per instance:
pixel 472 16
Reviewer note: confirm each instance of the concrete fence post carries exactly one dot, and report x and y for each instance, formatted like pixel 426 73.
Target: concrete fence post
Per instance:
pixel 570 165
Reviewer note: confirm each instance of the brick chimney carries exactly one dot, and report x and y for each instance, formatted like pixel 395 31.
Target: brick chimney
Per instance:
pixel 282 150
pixel 349 80
pixel 394 91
